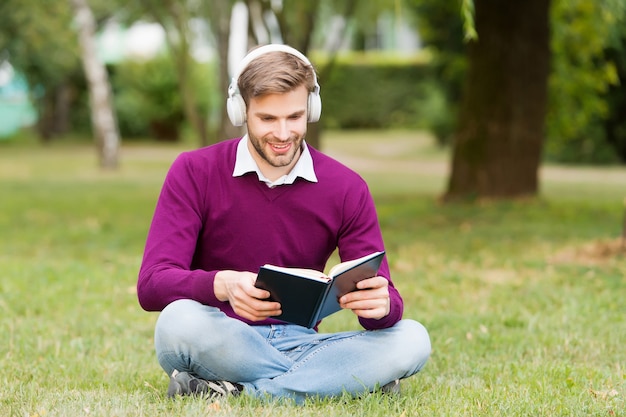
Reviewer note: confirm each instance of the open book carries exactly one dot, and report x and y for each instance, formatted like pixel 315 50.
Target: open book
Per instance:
pixel 306 296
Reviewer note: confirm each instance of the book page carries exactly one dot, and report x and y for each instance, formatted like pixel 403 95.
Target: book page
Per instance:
pixel 344 266
pixel 301 272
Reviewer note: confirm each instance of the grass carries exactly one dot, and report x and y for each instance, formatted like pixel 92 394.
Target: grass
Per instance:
pixel 524 300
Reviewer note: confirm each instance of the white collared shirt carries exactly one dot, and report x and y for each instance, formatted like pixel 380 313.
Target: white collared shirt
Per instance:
pixel 245 163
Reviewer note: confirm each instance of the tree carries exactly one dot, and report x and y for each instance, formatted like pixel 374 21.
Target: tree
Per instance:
pixel 615 124
pixel 584 81
pixel 174 16
pixel 102 114
pixel 499 137
pixel 218 14
pixel 441 30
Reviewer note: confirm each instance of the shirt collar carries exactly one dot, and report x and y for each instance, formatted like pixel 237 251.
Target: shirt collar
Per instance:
pixel 245 163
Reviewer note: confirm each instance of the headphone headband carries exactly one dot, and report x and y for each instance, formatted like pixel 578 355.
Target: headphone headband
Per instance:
pixel 235 104
pixel 266 49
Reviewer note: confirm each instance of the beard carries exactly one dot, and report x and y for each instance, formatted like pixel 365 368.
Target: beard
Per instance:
pixel 277 159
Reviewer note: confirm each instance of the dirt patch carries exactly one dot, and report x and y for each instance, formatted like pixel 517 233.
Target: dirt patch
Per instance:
pixel 596 252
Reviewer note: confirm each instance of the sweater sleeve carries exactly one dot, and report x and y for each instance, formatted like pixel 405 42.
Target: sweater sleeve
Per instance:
pixel 165 273
pixel 361 235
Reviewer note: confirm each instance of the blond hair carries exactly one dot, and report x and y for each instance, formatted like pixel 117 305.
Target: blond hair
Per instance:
pixel 275 73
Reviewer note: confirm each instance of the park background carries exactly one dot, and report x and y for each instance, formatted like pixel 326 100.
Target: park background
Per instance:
pixel 492 135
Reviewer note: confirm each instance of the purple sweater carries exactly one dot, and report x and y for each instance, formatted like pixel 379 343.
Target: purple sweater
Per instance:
pixel 206 220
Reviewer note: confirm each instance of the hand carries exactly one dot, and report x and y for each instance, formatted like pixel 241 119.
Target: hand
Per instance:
pixel 370 300
pixel 246 300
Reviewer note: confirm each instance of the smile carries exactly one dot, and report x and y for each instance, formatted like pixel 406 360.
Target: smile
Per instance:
pixel 280 147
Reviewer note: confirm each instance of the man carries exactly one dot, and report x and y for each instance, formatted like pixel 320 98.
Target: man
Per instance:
pixel 227 209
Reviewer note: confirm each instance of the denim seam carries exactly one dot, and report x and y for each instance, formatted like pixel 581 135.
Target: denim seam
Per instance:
pixel 298 364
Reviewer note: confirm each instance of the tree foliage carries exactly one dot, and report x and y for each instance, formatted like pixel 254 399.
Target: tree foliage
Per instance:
pixel 147 97
pixel 38 39
pixel 441 27
pixel 615 124
pixel 38 42
pixel 581 77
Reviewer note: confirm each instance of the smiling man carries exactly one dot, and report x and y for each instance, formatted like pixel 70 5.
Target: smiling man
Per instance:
pixel 268 197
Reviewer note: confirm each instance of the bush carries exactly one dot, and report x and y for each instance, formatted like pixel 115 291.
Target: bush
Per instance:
pixel 147 97
pixel 383 94
pixel 582 77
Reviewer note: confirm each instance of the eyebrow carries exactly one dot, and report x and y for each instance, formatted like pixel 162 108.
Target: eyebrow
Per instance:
pixel 296 113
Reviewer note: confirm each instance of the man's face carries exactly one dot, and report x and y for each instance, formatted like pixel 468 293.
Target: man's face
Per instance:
pixel 276 127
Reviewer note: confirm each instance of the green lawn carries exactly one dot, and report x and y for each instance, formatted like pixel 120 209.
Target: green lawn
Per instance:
pixel 524 300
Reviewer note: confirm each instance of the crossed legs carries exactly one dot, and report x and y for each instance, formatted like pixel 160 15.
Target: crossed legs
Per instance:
pixel 286 361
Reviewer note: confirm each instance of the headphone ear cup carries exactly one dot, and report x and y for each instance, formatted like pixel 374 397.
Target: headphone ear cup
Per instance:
pixel 236 108
pixel 315 107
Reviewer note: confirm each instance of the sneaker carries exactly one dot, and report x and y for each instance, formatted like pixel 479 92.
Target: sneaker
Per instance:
pixel 183 383
pixel 392 387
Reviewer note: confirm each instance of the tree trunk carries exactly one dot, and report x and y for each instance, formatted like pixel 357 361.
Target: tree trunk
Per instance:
pixel 498 143
pixel 102 115
pixel 179 44
pixel 173 16
pixel 219 16
pixel 45 121
pixel 54 111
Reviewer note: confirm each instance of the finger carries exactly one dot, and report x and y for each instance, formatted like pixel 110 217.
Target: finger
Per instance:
pixel 371 283
pixel 363 295
pixel 256 315
pixel 375 309
pixel 371 314
pixel 253 308
pixel 371 304
pixel 261 306
pixel 258 293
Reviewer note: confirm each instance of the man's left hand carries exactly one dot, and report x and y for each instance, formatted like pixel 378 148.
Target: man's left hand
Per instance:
pixel 370 300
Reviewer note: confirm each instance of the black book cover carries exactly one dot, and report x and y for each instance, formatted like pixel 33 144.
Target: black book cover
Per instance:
pixel 306 300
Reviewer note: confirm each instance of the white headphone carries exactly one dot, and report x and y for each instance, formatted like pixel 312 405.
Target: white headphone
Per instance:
pixel 235 104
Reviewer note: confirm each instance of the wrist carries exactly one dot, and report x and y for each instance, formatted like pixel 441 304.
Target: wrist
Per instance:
pixel 219 286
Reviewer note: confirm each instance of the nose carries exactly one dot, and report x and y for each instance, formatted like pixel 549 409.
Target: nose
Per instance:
pixel 281 130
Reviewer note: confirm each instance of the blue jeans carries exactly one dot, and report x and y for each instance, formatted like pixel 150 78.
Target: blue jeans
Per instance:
pixel 286 361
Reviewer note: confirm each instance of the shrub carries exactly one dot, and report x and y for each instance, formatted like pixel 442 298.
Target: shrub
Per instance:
pixel 147 97
pixel 386 93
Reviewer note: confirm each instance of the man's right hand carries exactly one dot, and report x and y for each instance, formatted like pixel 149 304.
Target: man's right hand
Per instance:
pixel 246 300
